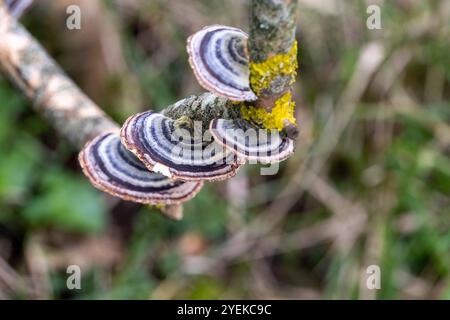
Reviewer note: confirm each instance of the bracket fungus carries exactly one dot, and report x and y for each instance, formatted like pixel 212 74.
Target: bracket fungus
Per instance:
pixel 114 170
pixel 219 58
pixel 251 143
pixel 218 55
pixel 248 114
pixel 174 152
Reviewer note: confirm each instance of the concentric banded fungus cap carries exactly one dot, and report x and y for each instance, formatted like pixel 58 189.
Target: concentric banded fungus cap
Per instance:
pixel 218 56
pixel 163 148
pixel 113 169
pixel 250 142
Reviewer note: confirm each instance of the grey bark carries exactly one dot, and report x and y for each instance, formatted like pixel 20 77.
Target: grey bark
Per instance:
pixel 53 94
pixel 272 28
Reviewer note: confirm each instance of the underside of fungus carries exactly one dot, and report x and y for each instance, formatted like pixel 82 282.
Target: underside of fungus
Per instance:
pixel 218 55
pixel 176 152
pixel 113 169
pixel 250 142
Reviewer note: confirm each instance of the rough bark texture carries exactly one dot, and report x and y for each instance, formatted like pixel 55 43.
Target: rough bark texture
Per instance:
pixel 272 28
pixel 53 94
pixel 272 47
pixel 204 108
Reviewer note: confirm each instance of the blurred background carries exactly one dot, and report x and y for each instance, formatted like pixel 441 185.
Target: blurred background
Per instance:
pixel 369 183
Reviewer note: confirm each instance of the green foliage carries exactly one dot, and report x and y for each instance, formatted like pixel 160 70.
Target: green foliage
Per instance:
pixel 66 201
pixel 32 181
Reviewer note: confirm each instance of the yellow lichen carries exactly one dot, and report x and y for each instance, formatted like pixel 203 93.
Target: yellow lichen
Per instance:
pixel 264 73
pixel 282 110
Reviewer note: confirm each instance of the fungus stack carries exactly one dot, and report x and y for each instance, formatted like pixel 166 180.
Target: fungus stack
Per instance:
pixel 219 57
pixel 247 115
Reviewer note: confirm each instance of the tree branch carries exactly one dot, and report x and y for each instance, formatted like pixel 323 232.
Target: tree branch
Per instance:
pixel 272 28
pixel 78 119
pixel 53 94
pixel 273 53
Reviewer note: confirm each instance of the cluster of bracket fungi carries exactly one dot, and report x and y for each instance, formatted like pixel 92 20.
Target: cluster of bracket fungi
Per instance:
pixel 145 164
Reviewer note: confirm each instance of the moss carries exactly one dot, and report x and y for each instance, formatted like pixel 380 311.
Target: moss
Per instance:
pixel 263 74
pixel 282 110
